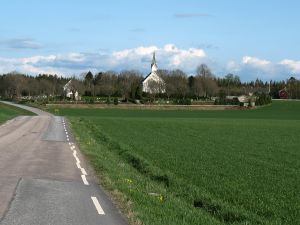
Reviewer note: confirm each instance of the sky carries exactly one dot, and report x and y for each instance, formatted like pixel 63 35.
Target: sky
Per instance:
pixel 249 38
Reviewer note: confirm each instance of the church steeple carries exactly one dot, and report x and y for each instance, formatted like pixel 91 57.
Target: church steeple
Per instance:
pixel 153 64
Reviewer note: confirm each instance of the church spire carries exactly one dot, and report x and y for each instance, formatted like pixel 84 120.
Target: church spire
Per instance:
pixel 153 64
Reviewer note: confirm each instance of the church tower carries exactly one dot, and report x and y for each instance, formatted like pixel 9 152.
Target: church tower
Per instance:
pixel 153 64
pixel 153 83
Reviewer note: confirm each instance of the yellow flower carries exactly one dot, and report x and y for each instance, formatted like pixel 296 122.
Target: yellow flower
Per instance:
pixel 161 198
pixel 128 181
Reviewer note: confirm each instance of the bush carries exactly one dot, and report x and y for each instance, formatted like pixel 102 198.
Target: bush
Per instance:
pixel 116 101
pixel 183 101
pixel 108 100
pixel 263 99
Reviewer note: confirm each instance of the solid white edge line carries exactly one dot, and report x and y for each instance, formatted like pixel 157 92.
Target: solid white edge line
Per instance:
pixel 84 180
pixel 78 165
pixel 83 171
pixel 97 206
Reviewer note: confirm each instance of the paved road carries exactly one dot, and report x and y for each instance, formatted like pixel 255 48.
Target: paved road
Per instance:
pixel 44 179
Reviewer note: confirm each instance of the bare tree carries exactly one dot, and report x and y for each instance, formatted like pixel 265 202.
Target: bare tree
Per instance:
pixel 107 83
pixel 128 83
pixel 209 84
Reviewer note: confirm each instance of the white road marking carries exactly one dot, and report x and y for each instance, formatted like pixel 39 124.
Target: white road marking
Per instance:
pixel 84 180
pixel 75 156
pixel 83 171
pixel 78 165
pixel 98 206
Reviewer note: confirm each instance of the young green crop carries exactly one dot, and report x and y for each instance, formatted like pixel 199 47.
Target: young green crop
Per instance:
pixel 198 167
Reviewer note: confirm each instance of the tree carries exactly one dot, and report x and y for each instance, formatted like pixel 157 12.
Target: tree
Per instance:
pixel 180 83
pixel 207 80
pixel 198 87
pixel 88 80
pixel 128 83
pixel 108 83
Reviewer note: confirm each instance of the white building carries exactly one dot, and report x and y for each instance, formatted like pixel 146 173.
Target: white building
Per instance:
pixel 153 83
pixel 68 91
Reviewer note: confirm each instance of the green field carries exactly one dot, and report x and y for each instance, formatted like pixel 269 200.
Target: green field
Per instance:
pixel 197 167
pixel 8 112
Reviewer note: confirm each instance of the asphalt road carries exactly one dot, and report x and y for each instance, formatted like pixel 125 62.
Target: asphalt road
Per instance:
pixel 44 180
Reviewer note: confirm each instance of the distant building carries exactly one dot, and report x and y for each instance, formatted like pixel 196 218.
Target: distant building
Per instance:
pixel 153 83
pixel 69 89
pixel 283 94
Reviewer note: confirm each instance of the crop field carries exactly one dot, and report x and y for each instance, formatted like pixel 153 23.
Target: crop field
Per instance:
pixel 8 112
pixel 196 167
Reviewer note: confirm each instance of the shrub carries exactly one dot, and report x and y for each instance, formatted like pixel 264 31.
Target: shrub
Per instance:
pixel 263 99
pixel 183 101
pixel 108 100
pixel 116 101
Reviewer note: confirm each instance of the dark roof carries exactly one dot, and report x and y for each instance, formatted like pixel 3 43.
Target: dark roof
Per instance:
pixel 146 77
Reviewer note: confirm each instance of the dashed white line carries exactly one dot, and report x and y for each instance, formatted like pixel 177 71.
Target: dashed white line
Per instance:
pixel 78 165
pixel 84 180
pixel 97 206
pixel 83 171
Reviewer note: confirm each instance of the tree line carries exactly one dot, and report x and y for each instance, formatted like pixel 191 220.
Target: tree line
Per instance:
pixel 127 85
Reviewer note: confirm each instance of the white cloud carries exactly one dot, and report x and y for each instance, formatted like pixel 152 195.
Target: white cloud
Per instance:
pixel 251 68
pixel 256 62
pixel 168 57
pixel 291 64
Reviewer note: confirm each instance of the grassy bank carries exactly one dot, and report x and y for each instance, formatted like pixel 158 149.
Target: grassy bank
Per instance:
pixel 197 167
pixel 8 112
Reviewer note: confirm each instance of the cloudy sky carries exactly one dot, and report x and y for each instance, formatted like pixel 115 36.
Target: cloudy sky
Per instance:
pixel 250 38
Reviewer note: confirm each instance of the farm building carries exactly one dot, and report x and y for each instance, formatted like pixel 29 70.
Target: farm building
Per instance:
pixel 153 83
pixel 70 91
pixel 283 94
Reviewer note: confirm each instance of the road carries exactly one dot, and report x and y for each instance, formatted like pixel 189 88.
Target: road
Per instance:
pixel 44 180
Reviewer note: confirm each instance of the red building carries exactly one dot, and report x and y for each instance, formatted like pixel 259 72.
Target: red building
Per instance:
pixel 283 94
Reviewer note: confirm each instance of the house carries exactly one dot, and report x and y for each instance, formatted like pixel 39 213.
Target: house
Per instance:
pixel 70 90
pixel 283 94
pixel 153 83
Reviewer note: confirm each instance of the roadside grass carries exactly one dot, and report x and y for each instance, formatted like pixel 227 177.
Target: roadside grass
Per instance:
pixel 196 167
pixel 8 112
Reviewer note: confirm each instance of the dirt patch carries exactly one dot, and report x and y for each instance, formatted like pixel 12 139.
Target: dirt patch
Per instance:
pixel 147 107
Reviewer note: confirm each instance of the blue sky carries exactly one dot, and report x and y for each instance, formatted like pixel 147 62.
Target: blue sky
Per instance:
pixel 249 38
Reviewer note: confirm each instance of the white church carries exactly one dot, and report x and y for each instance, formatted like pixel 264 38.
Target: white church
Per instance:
pixel 153 83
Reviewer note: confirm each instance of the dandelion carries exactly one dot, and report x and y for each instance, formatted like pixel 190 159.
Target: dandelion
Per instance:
pixel 128 181
pixel 161 198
